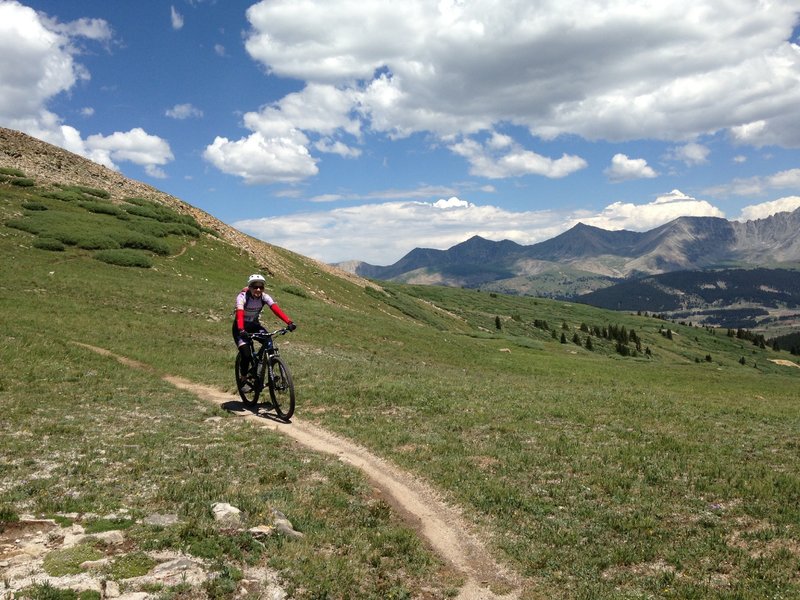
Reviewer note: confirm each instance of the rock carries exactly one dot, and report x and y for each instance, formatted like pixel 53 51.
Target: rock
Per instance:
pixel 262 530
pixel 112 589
pixel 226 515
pixel 73 535
pixel 284 525
pixel 110 538
pixel 161 520
pixel 173 572
pixel 23 546
pixel 94 564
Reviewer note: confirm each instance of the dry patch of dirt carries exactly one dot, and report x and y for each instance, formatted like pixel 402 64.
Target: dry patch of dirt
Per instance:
pixel 784 363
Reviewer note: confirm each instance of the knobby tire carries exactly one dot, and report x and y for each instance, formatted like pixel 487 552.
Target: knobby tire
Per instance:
pixel 249 397
pixel 281 388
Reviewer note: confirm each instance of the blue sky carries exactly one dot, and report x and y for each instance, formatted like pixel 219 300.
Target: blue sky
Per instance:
pixel 347 129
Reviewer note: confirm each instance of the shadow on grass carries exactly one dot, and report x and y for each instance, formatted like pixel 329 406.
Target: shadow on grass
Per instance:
pixel 264 410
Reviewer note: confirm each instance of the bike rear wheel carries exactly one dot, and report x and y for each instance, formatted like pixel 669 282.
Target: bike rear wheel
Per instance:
pixel 249 390
pixel 281 388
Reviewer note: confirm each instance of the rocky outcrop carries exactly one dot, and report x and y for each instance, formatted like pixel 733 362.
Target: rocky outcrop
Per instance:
pixel 26 544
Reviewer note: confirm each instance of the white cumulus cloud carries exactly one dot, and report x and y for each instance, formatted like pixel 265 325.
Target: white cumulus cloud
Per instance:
pixel 47 58
pixel 642 217
pixel 38 63
pixel 616 71
pixel 136 146
pixel 670 70
pixel 690 154
pixel 382 233
pixel 767 209
pixel 259 159
pixel 278 150
pixel 623 168
pixel 183 111
pixel 758 185
pixel 502 158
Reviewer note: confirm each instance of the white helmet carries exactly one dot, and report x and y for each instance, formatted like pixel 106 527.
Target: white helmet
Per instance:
pixel 255 278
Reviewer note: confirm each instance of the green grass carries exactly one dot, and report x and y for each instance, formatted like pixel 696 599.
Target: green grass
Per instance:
pixel 45 591
pixel 130 565
pixel 595 475
pixel 59 563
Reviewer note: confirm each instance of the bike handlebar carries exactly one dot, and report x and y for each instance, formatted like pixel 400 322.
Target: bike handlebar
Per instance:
pixel 264 334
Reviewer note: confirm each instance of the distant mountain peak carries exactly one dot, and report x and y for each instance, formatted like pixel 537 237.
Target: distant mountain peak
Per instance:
pixel 685 243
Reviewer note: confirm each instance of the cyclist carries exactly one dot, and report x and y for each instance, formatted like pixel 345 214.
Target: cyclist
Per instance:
pixel 249 303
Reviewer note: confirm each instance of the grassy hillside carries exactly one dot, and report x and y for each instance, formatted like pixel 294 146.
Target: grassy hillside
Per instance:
pixel 767 300
pixel 671 471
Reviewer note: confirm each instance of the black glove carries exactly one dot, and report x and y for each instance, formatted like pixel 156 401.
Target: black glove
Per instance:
pixel 291 326
pixel 243 334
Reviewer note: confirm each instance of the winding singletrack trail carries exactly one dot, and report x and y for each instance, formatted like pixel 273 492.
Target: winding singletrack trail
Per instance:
pixel 440 524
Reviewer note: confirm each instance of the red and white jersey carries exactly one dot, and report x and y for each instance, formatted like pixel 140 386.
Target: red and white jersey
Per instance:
pixel 252 306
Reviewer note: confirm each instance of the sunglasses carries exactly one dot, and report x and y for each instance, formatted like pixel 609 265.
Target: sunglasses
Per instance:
pixel 256 287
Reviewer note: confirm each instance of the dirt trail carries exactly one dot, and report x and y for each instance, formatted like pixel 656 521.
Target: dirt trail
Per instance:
pixel 440 524
pixel 784 363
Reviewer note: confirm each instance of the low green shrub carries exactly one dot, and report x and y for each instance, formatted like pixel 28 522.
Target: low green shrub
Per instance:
pixel 102 208
pixel 7 515
pixel 224 584
pixel 130 565
pixel 139 201
pixel 46 591
pixel 294 290
pixel 64 195
pixel 124 257
pixel 140 241
pixel 82 189
pixel 67 561
pixel 70 238
pixel 26 225
pixel 34 206
pixel 51 244
pixel 97 241
pixel 142 211
pixel 11 171
pixel 150 227
pixel 162 214
pixel 23 182
pixel 183 229
pixel 100 525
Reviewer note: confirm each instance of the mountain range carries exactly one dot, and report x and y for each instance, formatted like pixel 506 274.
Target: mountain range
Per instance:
pixel 627 269
pixel 684 244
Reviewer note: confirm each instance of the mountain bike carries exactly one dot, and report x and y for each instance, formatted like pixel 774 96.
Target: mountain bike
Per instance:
pixel 266 371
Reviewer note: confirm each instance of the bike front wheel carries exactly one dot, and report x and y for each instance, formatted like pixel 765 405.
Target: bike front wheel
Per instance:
pixel 249 390
pixel 281 388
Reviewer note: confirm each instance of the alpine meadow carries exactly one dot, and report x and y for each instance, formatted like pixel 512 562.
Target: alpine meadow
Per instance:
pixel 596 454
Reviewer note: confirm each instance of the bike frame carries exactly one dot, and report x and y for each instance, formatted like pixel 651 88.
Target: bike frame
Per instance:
pixel 268 347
